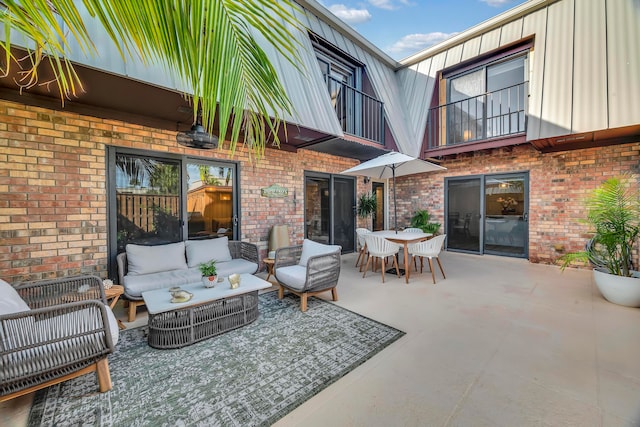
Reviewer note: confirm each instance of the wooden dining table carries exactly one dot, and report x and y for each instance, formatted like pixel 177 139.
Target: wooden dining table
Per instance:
pixel 404 238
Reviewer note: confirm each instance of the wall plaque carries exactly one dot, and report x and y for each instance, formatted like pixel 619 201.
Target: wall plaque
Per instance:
pixel 274 190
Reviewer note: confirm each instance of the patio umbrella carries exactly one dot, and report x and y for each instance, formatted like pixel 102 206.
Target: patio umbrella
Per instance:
pixel 390 165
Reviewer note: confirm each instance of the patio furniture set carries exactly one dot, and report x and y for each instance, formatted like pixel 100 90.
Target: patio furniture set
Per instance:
pixel 55 330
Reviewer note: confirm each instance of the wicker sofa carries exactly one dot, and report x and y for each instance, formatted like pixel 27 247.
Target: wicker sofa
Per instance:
pixel 145 268
pixel 52 331
pixel 308 269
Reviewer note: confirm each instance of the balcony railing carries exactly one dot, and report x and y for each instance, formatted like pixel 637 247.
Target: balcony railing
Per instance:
pixel 360 114
pixel 490 115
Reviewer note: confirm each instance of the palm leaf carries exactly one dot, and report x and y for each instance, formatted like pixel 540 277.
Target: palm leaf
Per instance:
pixel 209 44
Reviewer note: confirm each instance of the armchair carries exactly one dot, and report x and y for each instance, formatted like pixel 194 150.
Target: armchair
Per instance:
pixel 307 270
pixel 52 331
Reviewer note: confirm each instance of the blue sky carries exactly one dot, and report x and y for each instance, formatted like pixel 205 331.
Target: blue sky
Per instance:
pixel 403 27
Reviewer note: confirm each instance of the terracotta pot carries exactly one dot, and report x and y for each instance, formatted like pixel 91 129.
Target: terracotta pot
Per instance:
pixel 618 289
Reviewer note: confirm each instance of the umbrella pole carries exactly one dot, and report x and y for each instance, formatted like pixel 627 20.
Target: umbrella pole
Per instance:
pixel 395 200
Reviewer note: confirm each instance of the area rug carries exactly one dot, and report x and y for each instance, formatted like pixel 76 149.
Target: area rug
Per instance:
pixel 250 376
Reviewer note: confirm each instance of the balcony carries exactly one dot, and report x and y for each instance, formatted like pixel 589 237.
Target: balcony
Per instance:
pixel 488 117
pixel 360 114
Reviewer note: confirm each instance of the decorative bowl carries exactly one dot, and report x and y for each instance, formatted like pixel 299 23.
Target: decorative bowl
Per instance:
pixel 181 296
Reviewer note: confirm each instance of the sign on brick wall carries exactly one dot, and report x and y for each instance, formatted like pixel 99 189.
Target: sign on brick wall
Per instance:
pixel 274 190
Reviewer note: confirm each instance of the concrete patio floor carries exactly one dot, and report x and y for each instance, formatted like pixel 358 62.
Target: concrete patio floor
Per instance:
pixel 500 342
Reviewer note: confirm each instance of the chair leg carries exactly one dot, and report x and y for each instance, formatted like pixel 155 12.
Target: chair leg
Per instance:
pixel 433 275
pixel 367 266
pixel 104 376
pixel 281 292
pixel 383 267
pixel 440 264
pixel 303 302
pixel 133 305
pixel 334 294
pixel 359 257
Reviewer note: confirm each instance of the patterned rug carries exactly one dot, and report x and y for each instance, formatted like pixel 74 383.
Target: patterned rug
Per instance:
pixel 250 376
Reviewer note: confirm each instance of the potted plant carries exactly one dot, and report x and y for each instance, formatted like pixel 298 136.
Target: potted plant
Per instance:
pixel 613 210
pixel 421 220
pixel 367 205
pixel 209 273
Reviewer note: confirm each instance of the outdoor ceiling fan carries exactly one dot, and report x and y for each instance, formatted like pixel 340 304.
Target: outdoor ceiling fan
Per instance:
pixel 197 136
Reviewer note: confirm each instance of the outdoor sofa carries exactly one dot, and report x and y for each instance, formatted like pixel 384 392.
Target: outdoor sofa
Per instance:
pixel 145 268
pixel 52 331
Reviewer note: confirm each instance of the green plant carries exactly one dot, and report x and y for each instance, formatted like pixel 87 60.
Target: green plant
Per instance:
pixel 421 219
pixel 613 210
pixel 208 268
pixel 367 205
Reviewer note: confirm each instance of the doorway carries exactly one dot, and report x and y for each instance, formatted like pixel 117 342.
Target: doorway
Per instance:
pixel 378 216
pixel 488 214
pixel 329 202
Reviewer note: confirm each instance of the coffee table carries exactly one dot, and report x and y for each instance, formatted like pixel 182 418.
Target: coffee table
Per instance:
pixel 211 311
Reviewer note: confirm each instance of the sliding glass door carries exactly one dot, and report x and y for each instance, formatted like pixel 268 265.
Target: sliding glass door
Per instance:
pixel 329 202
pixel 488 214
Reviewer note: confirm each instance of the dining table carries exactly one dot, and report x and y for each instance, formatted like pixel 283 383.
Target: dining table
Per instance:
pixel 404 238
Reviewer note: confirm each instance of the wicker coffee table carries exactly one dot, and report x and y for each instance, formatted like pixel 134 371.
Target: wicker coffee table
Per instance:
pixel 210 312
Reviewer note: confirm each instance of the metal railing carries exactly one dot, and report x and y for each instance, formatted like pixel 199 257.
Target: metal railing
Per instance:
pixel 360 114
pixel 490 115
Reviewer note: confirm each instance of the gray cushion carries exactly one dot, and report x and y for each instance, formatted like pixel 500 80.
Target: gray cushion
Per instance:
pixel 199 251
pixel 292 276
pixel 10 300
pixel 153 259
pixel 136 284
pixel 238 265
pixel 311 248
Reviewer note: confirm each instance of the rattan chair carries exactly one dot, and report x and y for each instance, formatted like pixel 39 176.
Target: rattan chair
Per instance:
pixel 362 254
pixel 428 249
pixel 66 332
pixel 307 277
pixel 379 249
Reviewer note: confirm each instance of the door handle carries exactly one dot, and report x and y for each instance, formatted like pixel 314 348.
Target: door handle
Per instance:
pixel 525 216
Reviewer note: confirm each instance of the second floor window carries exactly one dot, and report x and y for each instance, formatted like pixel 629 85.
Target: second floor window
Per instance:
pixel 487 102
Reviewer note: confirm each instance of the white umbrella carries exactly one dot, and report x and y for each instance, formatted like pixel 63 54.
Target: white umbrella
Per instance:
pixel 390 165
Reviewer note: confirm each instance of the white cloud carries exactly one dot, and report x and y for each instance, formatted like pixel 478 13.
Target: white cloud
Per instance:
pixel 496 3
pixel 350 15
pixel 389 4
pixel 413 43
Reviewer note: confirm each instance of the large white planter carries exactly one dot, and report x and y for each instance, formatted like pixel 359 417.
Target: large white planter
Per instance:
pixel 618 289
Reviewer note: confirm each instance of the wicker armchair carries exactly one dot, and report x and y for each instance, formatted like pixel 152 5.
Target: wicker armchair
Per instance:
pixel 66 332
pixel 308 274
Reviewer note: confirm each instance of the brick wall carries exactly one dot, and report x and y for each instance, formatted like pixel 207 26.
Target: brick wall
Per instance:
pixel 559 183
pixel 53 196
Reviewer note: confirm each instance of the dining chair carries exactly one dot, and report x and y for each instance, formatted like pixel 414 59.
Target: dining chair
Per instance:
pixel 412 230
pixel 428 249
pixel 380 248
pixel 360 233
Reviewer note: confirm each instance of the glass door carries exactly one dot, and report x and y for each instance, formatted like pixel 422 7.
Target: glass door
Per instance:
pixel 329 205
pixel 488 214
pixel 378 216
pixel 506 215
pixel 344 207
pixel 463 214
pixel 211 206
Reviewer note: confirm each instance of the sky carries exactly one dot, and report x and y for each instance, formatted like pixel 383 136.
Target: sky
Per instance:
pixel 403 27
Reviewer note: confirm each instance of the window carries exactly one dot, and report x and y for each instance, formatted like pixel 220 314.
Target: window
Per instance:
pixel 487 102
pixel 162 198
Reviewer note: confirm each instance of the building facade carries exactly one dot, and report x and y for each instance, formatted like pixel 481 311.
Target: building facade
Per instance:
pixel 528 112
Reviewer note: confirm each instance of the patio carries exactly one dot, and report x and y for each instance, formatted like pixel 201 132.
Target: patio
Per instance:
pixel 500 342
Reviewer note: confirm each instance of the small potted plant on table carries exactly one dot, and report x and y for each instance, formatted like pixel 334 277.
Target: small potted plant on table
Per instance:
pixel 209 273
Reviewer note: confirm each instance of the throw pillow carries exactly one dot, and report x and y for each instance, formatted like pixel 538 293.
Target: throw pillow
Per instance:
pixel 10 300
pixel 153 259
pixel 199 251
pixel 311 248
